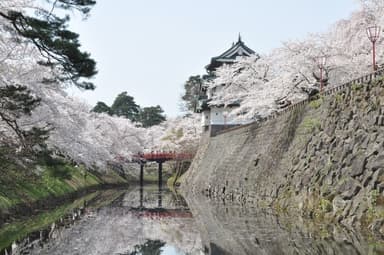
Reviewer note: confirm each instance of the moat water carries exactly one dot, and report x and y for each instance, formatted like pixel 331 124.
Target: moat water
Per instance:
pixel 149 221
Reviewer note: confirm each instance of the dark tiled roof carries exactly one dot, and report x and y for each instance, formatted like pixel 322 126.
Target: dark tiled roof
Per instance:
pixel 229 56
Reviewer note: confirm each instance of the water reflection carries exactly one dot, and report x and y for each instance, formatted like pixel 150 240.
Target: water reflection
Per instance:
pixel 20 236
pixel 149 247
pixel 230 229
pixel 146 220
pixel 139 221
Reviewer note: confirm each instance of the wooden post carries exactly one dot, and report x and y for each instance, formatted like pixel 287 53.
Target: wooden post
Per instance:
pixel 141 174
pixel 160 174
pixel 141 196
pixel 160 198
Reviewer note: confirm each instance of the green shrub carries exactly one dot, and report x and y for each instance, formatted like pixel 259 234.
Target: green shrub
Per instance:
pixel 339 97
pixel 316 103
pixel 325 205
pixel 309 125
pixel 356 86
pixel 374 195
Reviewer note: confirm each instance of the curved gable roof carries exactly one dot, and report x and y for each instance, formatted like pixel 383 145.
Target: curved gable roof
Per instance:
pixel 229 56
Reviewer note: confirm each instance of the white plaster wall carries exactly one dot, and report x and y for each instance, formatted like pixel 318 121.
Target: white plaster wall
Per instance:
pixel 217 117
pixel 221 116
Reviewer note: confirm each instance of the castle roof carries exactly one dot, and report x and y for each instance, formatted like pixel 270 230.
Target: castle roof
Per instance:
pixel 238 49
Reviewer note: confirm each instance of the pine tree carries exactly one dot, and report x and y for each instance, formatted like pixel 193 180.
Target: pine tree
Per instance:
pixel 15 102
pixel 150 116
pixel 124 105
pixel 193 90
pixel 59 47
pixel 101 107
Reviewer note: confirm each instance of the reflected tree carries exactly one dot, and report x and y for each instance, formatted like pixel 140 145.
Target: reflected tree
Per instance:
pixel 150 247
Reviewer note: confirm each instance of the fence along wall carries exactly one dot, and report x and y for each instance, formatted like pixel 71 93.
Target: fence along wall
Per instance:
pixel 361 80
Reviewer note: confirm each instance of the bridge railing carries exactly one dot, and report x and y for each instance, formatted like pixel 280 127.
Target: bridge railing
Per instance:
pixel 153 156
pixel 165 213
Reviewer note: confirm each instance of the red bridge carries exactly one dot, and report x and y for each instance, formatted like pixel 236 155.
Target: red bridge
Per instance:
pixel 161 213
pixel 159 157
pixel 162 156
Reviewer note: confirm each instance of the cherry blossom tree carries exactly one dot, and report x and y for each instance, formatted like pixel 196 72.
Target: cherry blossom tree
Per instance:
pixel 258 83
pixel 287 72
pixel 39 24
pixel 180 134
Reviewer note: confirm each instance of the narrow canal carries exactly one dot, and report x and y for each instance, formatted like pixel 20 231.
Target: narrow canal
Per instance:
pixel 144 220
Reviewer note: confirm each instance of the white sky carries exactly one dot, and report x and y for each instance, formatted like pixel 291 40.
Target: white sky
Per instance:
pixel 149 48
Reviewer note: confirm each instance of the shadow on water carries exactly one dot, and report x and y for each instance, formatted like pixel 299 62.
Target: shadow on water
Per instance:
pixel 148 220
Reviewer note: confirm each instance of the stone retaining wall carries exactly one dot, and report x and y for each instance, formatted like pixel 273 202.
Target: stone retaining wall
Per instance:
pixel 322 159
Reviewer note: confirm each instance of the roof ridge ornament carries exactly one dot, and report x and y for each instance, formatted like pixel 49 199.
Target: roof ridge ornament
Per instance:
pixel 229 56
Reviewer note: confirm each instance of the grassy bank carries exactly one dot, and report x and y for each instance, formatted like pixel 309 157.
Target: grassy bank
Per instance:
pixel 20 186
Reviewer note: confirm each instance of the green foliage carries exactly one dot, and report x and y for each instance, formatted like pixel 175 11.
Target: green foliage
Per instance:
pixel 80 5
pixel 315 104
pixel 102 107
pixel 56 177
pixel 16 101
pixel 374 196
pixel 124 105
pixel 193 91
pixel 56 167
pixel 150 116
pixel 375 209
pixel 325 205
pixel 356 86
pixel 309 125
pixel 339 97
pixel 172 181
